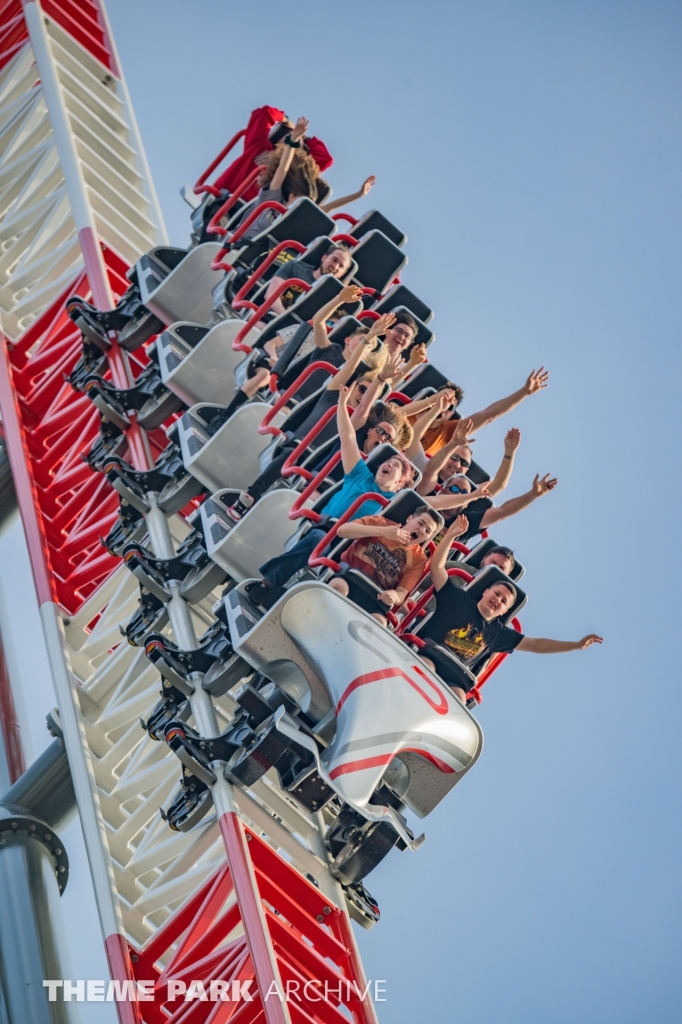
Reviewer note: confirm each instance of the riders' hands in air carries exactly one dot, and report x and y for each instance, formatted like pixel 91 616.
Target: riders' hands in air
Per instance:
pixel 588 640
pixel 381 325
pixel 457 527
pixel 444 400
pixel 367 184
pixel 417 356
pixel 543 485
pixel 393 367
pixel 462 432
pixel 300 128
pixel 351 293
pixel 537 380
pixel 512 441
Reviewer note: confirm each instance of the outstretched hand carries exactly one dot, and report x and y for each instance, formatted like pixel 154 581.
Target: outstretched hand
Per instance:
pixel 588 640
pixel 541 485
pixel 462 433
pixel 367 184
pixel 457 527
pixel 300 128
pixel 351 293
pixel 512 441
pixel 417 356
pixel 537 380
pixel 393 367
pixel 444 400
pixel 381 325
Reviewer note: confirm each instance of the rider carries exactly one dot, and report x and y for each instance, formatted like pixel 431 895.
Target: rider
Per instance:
pixel 467 628
pixel 388 554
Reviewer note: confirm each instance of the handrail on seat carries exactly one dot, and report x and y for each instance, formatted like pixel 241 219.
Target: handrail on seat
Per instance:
pixel 348 239
pixel 317 558
pixel 217 263
pixel 265 425
pixel 297 511
pixel 213 227
pixel 289 469
pixel 347 217
pixel 260 311
pixel 200 186
pixel 262 267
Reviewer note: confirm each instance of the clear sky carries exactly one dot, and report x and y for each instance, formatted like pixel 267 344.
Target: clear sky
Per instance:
pixel 531 151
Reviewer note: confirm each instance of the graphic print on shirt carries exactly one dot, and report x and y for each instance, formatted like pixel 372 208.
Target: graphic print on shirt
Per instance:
pixel 466 641
pixel 388 566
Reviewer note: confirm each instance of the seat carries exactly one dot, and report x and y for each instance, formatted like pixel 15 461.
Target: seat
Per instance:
pixel 302 222
pixel 198 363
pixel 318 248
pixel 424 334
pixel 400 295
pixel 229 458
pixel 303 309
pixel 425 377
pixel 477 554
pixel 240 548
pixel 181 291
pixel 375 221
pixel 379 260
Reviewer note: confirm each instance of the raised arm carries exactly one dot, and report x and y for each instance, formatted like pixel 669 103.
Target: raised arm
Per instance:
pixel 439 576
pixel 446 500
pixel 350 453
pixel 354 531
pixel 541 486
pixel 287 156
pixel 442 401
pixel 539 645
pixel 537 380
pixel 417 357
pixel 346 371
pixel 336 204
pixel 352 293
pixel 503 475
pixel 461 435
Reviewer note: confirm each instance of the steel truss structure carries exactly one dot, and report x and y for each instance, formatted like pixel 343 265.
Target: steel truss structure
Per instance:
pixel 247 900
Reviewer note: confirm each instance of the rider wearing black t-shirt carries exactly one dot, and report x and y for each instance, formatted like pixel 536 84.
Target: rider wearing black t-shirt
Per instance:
pixel 467 628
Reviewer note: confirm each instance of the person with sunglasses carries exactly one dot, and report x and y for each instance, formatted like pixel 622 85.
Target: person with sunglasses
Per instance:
pixel 445 473
pixel 361 352
pixel 391 476
pixel 440 432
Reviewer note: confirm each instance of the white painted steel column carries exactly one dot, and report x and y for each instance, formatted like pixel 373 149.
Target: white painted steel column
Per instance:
pixel 68 156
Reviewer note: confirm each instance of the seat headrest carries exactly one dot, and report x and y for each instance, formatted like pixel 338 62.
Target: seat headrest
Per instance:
pixel 477 554
pixel 400 295
pixel 379 260
pixel 373 221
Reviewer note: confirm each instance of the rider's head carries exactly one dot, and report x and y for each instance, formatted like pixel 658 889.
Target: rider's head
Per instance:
pixel 500 556
pixel 459 462
pixel 497 600
pixel 423 524
pixel 458 484
pixel 393 474
pixel 336 261
pixel 386 425
pixel 401 334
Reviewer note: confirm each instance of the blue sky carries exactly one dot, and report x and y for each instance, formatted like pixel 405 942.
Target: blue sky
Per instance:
pixel 531 151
